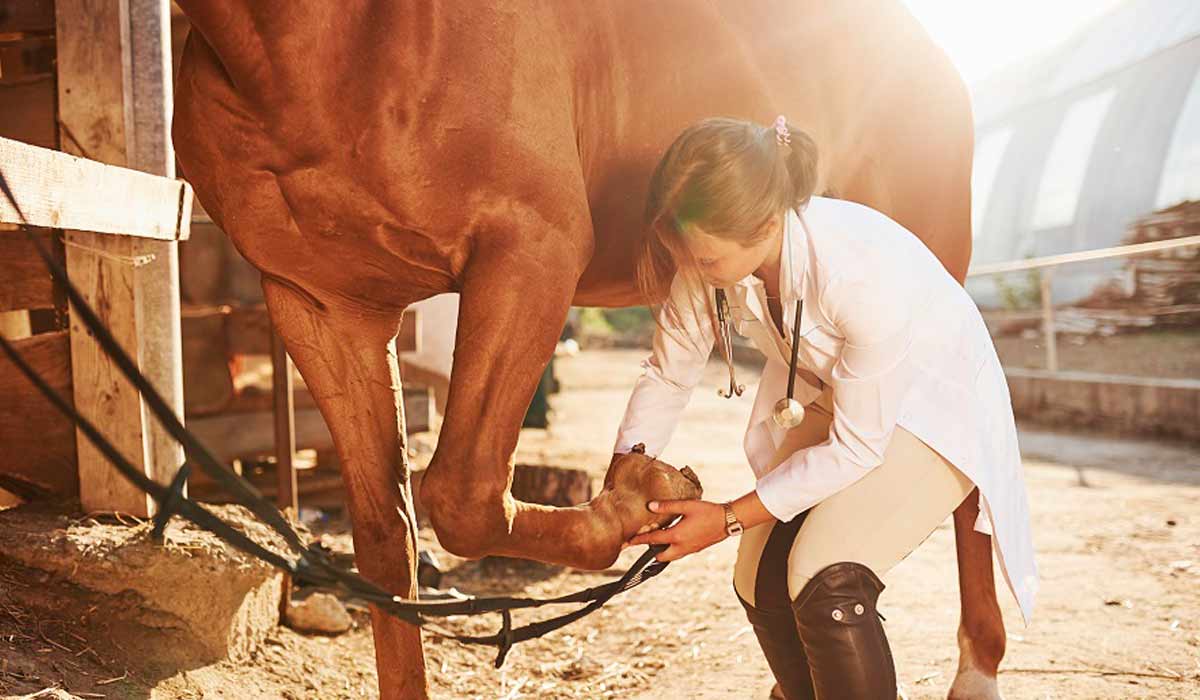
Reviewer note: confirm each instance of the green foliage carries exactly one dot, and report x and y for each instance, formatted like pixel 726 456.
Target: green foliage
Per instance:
pixel 633 318
pixel 1022 292
pixel 602 322
pixel 593 322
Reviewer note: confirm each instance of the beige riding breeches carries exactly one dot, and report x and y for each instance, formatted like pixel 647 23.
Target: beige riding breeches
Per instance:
pixel 876 521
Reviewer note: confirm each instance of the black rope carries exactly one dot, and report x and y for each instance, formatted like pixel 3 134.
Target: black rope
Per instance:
pixel 243 491
pixel 311 565
pixel 170 504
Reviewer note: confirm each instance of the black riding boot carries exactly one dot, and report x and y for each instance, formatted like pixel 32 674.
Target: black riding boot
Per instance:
pixel 776 632
pixel 847 650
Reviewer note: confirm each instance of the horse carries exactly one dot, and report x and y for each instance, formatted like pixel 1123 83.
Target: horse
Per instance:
pixel 367 154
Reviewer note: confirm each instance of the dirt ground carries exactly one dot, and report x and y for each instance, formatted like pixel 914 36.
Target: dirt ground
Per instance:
pixel 1116 527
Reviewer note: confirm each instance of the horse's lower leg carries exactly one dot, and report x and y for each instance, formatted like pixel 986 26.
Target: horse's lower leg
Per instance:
pixel 981 637
pixel 513 306
pixel 349 362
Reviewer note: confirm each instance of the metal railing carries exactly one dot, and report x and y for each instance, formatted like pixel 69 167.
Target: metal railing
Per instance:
pixel 1046 266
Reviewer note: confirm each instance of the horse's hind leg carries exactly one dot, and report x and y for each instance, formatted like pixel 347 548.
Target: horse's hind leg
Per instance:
pixel 348 360
pixel 981 636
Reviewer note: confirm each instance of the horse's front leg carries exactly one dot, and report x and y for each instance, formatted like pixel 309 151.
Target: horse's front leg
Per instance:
pixel 348 359
pixel 515 298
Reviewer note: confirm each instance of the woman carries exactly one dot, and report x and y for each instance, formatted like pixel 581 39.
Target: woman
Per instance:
pixel 905 406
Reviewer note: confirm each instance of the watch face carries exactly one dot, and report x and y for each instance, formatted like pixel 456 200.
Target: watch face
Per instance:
pixel 734 528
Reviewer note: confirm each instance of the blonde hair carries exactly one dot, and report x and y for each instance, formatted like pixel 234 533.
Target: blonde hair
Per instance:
pixel 727 178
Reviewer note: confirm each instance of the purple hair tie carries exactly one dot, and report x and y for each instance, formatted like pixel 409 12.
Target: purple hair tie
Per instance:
pixel 782 136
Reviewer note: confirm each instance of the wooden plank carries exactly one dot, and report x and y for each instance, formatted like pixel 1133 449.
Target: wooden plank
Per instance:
pixel 207 379
pixel 28 112
pixel 232 435
pixel 26 16
pixel 113 97
pixel 250 331
pixel 15 324
pixel 27 59
pixel 58 190
pixel 24 281
pixel 235 434
pixel 1119 251
pixel 38 441
pixel 409 337
pixel 418 409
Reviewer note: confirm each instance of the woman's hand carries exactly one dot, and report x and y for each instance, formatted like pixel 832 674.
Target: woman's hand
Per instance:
pixel 702 525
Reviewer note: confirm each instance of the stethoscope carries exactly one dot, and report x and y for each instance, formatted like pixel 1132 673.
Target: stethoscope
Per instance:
pixel 788 412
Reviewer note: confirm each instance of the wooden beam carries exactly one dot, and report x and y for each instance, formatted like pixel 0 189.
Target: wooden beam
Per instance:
pixel 239 434
pixel 114 107
pixel 15 325
pixel 26 16
pixel 249 329
pixel 58 190
pixel 408 339
pixel 26 58
pixel 28 113
pixel 1119 251
pixel 24 281
pixel 38 441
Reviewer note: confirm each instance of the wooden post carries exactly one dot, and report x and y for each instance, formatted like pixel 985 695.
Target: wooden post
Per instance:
pixel 285 424
pixel 1045 277
pixel 285 445
pixel 114 98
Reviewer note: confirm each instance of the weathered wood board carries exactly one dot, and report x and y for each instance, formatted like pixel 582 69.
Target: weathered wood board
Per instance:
pixel 24 281
pixel 57 190
pixel 38 442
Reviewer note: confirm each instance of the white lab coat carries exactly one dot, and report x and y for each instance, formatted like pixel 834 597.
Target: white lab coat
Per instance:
pixel 899 341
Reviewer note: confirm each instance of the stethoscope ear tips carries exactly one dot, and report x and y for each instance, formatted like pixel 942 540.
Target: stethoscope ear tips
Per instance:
pixel 733 390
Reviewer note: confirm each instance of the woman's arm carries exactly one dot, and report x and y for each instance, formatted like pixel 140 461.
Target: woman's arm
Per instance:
pixel 672 371
pixel 874 313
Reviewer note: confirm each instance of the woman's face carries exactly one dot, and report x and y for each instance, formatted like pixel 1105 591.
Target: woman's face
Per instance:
pixel 722 262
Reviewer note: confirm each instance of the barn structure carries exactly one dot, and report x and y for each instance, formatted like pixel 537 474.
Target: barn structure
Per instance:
pixel 1075 145
pixel 95 80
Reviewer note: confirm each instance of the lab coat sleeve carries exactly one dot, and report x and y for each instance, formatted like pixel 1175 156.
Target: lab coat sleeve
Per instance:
pixel 873 313
pixel 672 370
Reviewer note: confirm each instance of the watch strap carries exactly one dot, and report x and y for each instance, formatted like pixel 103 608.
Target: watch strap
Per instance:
pixel 733 526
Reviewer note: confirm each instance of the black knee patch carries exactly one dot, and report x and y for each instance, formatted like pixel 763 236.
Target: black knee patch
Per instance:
pixel 844 592
pixel 844 641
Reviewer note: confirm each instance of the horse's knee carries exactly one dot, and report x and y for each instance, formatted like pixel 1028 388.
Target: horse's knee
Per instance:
pixel 466 524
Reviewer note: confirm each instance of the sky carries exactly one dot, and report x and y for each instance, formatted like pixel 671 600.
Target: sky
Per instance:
pixel 983 36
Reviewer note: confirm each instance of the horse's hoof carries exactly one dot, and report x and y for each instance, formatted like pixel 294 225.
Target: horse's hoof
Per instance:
pixel 970 684
pixel 634 479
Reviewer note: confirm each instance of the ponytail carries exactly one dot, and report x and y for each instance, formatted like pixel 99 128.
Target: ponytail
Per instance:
pixel 801 160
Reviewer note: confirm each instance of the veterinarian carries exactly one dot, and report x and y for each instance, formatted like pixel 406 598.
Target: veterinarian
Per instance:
pixel 881 406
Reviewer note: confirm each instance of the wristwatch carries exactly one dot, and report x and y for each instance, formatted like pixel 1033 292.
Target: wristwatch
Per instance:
pixel 733 526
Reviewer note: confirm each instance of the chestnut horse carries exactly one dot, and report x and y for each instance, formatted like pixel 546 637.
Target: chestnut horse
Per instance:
pixel 367 154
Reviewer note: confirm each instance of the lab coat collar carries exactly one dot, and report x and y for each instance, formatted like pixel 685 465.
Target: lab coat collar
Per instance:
pixel 750 290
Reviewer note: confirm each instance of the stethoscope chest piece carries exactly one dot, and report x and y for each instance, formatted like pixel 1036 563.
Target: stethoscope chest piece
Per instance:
pixel 788 413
